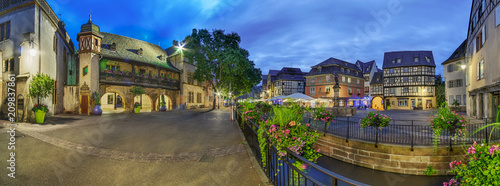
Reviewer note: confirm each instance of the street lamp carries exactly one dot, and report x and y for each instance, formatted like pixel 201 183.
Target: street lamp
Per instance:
pixel 462 66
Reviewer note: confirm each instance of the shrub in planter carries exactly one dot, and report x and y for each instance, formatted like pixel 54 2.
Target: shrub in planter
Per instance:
pixel 96 96
pixel 373 119
pixel 40 87
pixel 40 110
pixel 447 120
pixel 137 107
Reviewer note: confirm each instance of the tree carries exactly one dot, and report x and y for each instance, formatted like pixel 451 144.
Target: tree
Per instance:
pixel 41 86
pixel 221 62
pixel 440 88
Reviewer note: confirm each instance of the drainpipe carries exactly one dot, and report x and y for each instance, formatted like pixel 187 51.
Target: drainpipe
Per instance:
pixel 39 44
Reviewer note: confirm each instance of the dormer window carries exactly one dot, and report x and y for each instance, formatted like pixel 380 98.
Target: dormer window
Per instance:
pixel 162 57
pixel 342 69
pixel 393 61
pixel 415 59
pixel 348 71
pixel 140 52
pixel 427 59
pixel 399 60
pixel 112 47
pixel 319 69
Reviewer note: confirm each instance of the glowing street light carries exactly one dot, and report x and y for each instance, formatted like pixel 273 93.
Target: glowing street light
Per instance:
pixel 462 66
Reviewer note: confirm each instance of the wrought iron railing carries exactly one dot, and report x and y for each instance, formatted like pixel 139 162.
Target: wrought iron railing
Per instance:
pixel 281 171
pixel 139 80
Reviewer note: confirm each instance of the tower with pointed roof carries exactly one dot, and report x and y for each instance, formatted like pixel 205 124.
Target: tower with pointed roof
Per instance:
pixel 89 49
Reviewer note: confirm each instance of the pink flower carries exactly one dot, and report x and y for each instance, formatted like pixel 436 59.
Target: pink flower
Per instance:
pixel 304 166
pixel 317 150
pixel 287 131
pixel 474 143
pixel 451 164
pixel 493 149
pixel 471 150
pixel 308 125
pixel 305 133
pixel 293 138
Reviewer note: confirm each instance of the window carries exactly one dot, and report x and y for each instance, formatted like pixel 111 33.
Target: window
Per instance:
pixel 405 69
pixel 450 101
pixel 392 90
pixel 198 97
pixel 358 91
pixel 350 90
pixel 451 68
pixel 312 90
pixel 479 42
pixel 367 78
pixel 458 83
pixel 110 99
pixel 391 80
pixel 428 59
pixel 342 69
pixel 450 84
pixel 415 89
pixel 348 80
pixel 398 60
pixel 8 65
pixel 357 81
pixel 415 59
pixel 403 103
pixel 405 79
pixel 406 89
pixel 393 61
pixel 190 97
pixel 429 89
pixel 348 71
pixel 480 70
pixel 497 19
pixel 85 70
pixel 343 79
pixel 5 31
pixel 391 71
pixel 54 44
pixel 458 98
pixel 96 42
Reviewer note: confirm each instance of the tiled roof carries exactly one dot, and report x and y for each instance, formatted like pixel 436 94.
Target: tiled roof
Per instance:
pixel 407 59
pixel 332 65
pixel 366 67
pixel 459 53
pixel 273 72
pixel 379 70
pixel 378 78
pixel 290 74
pixel 127 49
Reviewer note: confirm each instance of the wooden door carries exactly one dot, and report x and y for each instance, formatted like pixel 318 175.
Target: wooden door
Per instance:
pixel 85 104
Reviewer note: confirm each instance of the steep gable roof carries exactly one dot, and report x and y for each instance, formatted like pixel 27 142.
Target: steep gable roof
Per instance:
pixel 127 50
pixel 407 58
pixel 378 78
pixel 458 53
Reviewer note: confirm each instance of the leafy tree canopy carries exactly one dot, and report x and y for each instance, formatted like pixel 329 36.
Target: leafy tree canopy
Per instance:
pixel 221 61
pixel 41 86
pixel 440 88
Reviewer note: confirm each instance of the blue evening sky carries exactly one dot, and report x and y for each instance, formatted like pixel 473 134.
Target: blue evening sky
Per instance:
pixel 280 33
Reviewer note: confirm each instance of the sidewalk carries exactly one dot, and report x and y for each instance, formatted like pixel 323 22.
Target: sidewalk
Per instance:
pixel 184 147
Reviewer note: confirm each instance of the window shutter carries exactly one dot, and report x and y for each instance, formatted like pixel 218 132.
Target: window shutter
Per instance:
pixel 477 70
pixel 483 39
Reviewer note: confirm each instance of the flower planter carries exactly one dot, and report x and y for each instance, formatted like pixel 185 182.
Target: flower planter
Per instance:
pixel 97 110
pixel 137 109
pixel 39 116
pixel 163 109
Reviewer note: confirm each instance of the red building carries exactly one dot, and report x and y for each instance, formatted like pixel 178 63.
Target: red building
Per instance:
pixel 321 79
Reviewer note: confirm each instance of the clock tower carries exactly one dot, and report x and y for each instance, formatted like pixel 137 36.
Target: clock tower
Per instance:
pixel 89 50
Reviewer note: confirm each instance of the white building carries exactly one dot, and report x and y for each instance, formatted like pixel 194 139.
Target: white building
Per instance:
pixel 33 40
pixel 483 66
pixel 454 76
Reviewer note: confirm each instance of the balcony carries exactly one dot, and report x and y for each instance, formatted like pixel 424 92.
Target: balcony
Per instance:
pixel 144 80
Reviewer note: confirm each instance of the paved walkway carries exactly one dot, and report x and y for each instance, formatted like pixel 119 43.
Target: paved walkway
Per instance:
pixel 185 147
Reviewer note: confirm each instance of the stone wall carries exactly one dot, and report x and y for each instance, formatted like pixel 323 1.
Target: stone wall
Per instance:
pixel 390 158
pixel 71 99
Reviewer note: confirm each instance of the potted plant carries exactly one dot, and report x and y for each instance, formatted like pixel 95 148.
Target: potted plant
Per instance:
pixel 136 91
pixel 376 120
pixel 96 96
pixel 40 110
pixel 163 104
pixel 449 121
pixel 137 107
pixel 40 87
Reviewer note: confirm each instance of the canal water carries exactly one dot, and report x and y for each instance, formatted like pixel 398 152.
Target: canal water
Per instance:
pixel 370 176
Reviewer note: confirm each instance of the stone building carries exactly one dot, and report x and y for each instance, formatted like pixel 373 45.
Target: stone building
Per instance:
pixel 320 81
pixel 114 64
pixel 409 81
pixel 482 59
pixel 368 69
pixel 288 81
pixel 454 76
pixel 377 91
pixel 33 40
pixel 271 77
pixel 193 94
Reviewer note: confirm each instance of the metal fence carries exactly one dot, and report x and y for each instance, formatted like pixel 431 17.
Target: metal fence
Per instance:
pixel 404 132
pixel 281 171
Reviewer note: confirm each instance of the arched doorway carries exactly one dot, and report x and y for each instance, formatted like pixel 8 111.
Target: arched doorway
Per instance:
pixel 168 102
pixel 145 101
pixel 112 102
pixel 377 103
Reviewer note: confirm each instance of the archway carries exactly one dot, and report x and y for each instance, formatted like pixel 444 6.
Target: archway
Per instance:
pixel 377 103
pixel 112 102
pixel 145 101
pixel 168 101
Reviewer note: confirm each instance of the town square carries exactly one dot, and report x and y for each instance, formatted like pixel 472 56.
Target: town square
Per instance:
pixel 232 92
